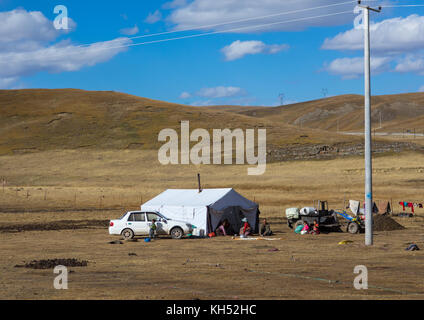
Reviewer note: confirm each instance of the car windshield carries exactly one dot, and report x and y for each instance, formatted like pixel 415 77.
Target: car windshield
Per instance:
pixel 156 215
pixel 160 215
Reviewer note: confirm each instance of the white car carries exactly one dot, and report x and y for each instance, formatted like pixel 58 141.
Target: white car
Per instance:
pixel 137 223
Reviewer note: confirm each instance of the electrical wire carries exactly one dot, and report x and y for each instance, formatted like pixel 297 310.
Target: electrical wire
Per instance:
pixel 403 6
pixel 240 20
pixel 254 27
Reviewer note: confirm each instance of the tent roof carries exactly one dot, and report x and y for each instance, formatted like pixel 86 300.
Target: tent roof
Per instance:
pixel 217 199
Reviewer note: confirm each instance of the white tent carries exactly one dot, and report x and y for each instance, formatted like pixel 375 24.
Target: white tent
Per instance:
pixel 205 209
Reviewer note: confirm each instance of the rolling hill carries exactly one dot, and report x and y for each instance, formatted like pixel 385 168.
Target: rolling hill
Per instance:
pixel 346 112
pixel 34 120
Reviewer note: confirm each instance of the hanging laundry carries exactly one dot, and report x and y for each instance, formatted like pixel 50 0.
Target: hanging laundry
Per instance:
pixel 411 205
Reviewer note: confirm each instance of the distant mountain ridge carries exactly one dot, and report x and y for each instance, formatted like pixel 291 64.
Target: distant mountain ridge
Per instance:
pixel 46 119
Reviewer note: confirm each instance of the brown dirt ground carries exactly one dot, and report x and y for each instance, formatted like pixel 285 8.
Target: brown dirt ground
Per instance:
pixel 86 188
pixel 304 267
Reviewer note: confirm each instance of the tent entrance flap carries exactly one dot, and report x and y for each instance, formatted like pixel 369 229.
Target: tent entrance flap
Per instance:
pixel 233 215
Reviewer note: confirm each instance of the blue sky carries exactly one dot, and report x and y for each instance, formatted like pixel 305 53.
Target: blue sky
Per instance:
pixel 249 66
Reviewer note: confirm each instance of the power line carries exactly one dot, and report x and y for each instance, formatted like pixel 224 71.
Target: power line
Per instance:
pixel 237 21
pixel 201 34
pixel 404 6
pixel 231 30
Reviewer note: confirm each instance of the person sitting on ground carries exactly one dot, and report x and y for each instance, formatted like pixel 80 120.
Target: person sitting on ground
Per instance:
pixel 222 228
pixel 305 229
pixel 315 228
pixel 245 230
pixel 152 230
pixel 265 229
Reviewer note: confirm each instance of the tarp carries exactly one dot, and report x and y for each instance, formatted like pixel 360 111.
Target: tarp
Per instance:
pixel 292 213
pixel 354 206
pixel 194 207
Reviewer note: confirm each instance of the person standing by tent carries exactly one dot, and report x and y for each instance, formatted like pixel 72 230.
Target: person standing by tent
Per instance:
pixel 245 229
pixel 265 229
pixel 152 230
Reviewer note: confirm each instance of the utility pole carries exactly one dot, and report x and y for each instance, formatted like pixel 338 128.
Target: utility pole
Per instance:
pixel 368 137
pixel 281 96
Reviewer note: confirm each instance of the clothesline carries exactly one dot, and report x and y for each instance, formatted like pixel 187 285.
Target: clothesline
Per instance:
pixel 412 205
pixel 386 205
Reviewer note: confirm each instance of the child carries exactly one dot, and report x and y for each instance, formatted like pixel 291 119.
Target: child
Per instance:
pixel 152 229
pixel 305 229
pixel 221 230
pixel 315 229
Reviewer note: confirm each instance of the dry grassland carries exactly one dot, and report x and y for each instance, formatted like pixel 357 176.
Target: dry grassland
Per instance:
pixel 99 185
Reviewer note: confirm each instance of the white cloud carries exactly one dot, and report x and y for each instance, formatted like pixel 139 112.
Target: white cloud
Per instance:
pixel 206 12
pixel 130 31
pixel 349 68
pixel 394 35
pixel 7 83
pixel 153 17
pixel 411 63
pixel 25 47
pixel 220 92
pixel 398 40
pixel 185 95
pixel 57 58
pixel 202 103
pixel 421 89
pixel 174 4
pixel 220 95
pixel 238 49
pixel 21 25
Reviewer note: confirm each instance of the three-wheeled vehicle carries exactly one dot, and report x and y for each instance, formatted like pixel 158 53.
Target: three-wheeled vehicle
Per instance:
pixel 355 224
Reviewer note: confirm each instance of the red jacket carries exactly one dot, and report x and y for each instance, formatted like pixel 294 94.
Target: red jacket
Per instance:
pixel 246 226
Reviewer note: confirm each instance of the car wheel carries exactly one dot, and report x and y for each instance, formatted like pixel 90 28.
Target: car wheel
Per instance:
pixel 127 234
pixel 353 227
pixel 177 233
